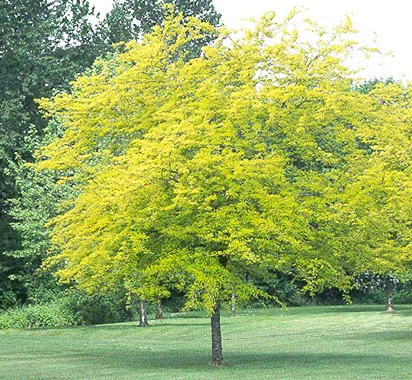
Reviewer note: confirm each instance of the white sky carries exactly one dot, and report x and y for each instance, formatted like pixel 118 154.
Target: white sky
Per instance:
pixel 389 19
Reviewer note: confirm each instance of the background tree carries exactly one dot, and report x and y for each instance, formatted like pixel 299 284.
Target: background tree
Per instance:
pixel 38 200
pixel 131 19
pixel 385 184
pixel 43 46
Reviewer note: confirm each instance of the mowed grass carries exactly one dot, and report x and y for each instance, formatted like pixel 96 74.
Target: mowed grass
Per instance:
pixel 351 342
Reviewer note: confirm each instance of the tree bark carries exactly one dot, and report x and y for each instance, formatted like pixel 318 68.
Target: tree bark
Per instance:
pixel 233 308
pixel 217 352
pixel 143 314
pixel 389 305
pixel 159 313
pixel 388 287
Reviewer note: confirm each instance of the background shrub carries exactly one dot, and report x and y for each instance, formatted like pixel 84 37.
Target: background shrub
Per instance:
pixel 99 309
pixel 53 314
pixel 71 308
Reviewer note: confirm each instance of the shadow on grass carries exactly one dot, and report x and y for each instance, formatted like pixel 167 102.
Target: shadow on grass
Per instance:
pixel 403 310
pixel 386 336
pixel 305 310
pixel 135 326
pixel 195 360
pixel 341 309
pixel 188 314
pixel 314 360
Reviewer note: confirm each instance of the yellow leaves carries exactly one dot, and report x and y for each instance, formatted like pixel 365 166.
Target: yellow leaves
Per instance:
pixel 346 26
pixel 258 153
pixel 239 249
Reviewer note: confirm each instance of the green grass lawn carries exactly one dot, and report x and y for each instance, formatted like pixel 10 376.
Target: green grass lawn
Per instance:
pixel 298 343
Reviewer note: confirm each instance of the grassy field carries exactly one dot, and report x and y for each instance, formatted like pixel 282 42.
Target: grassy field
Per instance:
pixel 297 343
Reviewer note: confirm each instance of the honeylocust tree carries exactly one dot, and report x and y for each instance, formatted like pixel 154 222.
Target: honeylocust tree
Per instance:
pixel 379 202
pixel 193 174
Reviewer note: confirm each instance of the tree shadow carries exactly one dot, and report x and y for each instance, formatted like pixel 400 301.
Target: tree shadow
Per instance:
pixel 386 336
pixel 402 310
pixel 194 359
pixel 155 324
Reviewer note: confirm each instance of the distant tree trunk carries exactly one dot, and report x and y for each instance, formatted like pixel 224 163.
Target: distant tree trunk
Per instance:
pixel 388 286
pixel 390 305
pixel 233 308
pixel 143 314
pixel 217 352
pixel 159 312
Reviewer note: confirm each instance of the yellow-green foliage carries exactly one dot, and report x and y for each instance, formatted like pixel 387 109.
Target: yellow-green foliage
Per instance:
pixel 259 154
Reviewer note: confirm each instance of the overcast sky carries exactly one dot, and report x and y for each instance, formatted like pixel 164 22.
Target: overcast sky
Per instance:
pixel 389 19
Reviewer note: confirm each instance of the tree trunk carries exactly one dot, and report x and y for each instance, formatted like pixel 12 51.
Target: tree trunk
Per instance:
pixel 233 308
pixel 390 305
pixel 217 352
pixel 159 313
pixel 143 314
pixel 388 287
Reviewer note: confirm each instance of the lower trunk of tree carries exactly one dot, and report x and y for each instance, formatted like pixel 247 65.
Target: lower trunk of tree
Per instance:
pixel 217 352
pixel 390 305
pixel 159 312
pixel 388 288
pixel 233 308
pixel 143 314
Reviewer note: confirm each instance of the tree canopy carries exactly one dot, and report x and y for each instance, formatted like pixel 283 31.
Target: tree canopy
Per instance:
pixel 257 155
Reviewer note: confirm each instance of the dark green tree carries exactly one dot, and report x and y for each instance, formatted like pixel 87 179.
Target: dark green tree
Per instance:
pixel 130 19
pixel 43 46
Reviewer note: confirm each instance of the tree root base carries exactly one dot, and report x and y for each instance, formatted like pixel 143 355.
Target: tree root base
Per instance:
pixel 220 364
